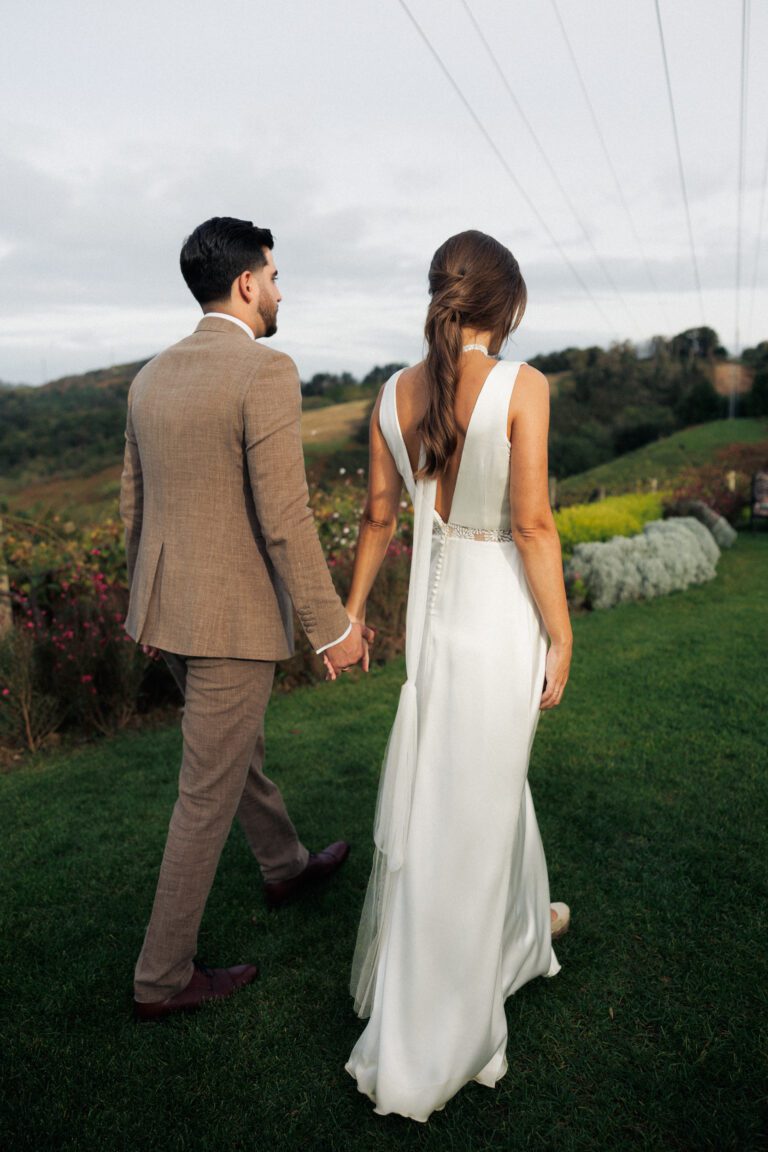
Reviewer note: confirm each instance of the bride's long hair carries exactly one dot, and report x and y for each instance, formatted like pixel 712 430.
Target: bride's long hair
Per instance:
pixel 474 282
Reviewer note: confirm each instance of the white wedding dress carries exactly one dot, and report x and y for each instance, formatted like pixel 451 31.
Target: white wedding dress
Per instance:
pixel 456 917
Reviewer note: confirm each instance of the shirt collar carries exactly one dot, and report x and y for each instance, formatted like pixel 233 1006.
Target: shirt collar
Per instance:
pixel 234 319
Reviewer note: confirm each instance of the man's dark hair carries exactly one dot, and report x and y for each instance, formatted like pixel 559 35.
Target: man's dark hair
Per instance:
pixel 217 252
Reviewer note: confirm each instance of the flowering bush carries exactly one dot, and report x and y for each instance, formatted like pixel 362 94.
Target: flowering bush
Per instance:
pixel 615 516
pixel 337 513
pixel 28 714
pixel 67 659
pixel 42 555
pixel 338 510
pixel 725 484
pixel 667 556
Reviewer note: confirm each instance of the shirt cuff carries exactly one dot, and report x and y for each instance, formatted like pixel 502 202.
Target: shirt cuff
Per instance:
pixel 342 637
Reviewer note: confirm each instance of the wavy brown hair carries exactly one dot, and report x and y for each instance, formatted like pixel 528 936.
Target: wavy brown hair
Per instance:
pixel 474 282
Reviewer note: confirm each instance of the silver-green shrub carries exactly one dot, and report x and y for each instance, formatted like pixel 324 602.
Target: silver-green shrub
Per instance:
pixel 667 556
pixel 724 534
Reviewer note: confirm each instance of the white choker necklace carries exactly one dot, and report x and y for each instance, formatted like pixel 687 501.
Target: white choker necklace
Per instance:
pixel 475 348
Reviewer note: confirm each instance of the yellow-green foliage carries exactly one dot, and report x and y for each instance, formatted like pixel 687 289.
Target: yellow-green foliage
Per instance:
pixel 615 516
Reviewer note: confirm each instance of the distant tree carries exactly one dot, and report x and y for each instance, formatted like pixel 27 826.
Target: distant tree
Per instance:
pixel 380 374
pixel 757 401
pixel 553 361
pixel 699 402
pixel 756 357
pixel 640 425
pixel 698 344
pixel 330 384
pixel 585 445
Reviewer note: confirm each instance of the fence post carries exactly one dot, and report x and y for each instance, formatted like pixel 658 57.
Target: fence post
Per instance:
pixel 5 590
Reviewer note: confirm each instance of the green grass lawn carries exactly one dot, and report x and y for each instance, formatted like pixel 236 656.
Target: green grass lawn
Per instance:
pixel 650 789
pixel 664 459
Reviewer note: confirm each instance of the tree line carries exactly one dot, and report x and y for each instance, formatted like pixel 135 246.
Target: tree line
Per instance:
pixel 611 401
pixel 605 402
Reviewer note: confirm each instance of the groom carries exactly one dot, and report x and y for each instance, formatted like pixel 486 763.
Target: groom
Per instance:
pixel 221 544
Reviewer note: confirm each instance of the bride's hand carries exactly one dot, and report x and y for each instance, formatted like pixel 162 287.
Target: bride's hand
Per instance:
pixel 369 635
pixel 555 675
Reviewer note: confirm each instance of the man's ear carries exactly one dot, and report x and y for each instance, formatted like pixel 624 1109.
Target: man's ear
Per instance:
pixel 246 287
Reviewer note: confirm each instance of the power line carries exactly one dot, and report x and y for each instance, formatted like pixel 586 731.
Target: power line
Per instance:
pixel 760 217
pixel 696 276
pixel 609 162
pixel 547 161
pixel 740 196
pixel 504 163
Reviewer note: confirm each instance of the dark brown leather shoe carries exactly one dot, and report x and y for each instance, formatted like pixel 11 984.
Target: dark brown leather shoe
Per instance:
pixel 206 984
pixel 320 866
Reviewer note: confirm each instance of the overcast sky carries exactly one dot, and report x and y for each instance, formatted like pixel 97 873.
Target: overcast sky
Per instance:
pixel 328 121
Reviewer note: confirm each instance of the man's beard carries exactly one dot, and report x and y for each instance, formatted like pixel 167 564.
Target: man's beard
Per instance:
pixel 268 314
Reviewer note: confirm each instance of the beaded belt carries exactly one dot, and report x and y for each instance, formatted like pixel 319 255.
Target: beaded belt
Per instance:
pixel 464 533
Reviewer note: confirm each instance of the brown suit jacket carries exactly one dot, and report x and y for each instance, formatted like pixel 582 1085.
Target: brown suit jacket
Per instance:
pixel 219 535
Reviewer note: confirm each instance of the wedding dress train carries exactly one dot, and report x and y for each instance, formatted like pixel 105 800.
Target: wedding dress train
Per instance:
pixel 457 915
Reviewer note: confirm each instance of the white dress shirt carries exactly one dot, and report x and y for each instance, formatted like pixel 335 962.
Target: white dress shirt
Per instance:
pixel 245 328
pixel 234 319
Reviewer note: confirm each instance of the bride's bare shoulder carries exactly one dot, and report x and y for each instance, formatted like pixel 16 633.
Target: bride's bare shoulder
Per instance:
pixel 531 386
pixel 531 377
pixel 412 376
pixel 411 394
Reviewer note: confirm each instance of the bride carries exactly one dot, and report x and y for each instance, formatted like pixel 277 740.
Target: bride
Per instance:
pixel 457 915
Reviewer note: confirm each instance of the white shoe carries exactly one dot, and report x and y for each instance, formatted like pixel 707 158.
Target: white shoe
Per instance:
pixel 562 922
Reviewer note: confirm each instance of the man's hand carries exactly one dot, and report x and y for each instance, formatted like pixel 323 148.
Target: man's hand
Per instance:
pixel 350 650
pixel 148 650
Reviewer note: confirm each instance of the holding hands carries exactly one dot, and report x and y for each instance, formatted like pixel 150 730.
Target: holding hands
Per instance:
pixel 353 649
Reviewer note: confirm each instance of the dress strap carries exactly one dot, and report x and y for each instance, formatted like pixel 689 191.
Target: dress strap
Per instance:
pixel 393 808
pixel 392 433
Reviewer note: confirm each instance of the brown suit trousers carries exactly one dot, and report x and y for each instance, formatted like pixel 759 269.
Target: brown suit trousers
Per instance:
pixel 220 541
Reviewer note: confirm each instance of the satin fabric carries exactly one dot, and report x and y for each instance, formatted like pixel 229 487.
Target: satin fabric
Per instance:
pixel 456 916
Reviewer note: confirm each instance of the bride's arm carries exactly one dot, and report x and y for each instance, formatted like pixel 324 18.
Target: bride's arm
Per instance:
pixel 533 525
pixel 379 519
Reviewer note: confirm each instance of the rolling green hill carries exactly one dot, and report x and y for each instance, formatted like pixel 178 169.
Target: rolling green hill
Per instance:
pixel 86 496
pixel 663 460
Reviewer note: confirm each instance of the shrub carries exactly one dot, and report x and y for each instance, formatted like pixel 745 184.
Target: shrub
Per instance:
pixel 757 401
pixel 28 714
pixel 615 516
pixel 668 556
pixel 386 613
pixel 68 661
pixel 710 483
pixel 725 536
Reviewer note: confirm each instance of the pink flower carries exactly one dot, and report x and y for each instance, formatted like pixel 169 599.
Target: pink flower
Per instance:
pixel 6 691
pixel 86 679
